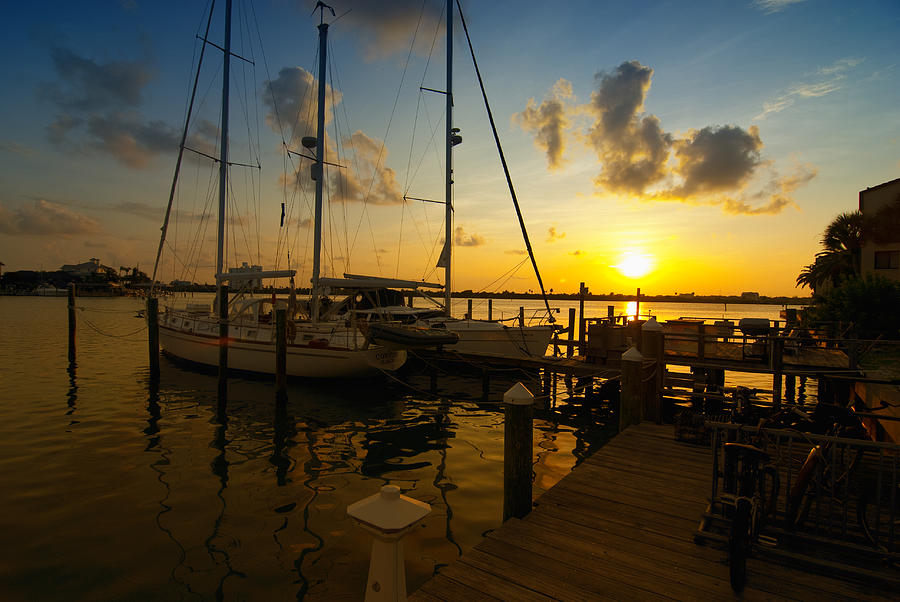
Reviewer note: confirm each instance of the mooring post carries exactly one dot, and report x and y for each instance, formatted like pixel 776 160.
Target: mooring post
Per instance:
pixel 630 399
pixel 281 354
pixel 571 343
pixel 521 316
pixel 581 294
pixel 652 345
pixel 388 516
pixel 790 387
pixel 223 346
pixel 490 310
pixel 153 335
pixel 777 370
pixel 637 305
pixel 469 311
pixel 71 322
pixel 518 409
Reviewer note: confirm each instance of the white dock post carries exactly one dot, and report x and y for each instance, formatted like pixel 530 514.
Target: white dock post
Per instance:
pixel 388 516
pixel 518 449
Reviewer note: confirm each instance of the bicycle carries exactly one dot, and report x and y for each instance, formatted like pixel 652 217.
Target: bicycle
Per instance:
pixel 745 487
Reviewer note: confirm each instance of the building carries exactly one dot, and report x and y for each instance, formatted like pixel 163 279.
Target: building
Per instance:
pixel 881 251
pixel 256 283
pixel 92 266
pixel 750 296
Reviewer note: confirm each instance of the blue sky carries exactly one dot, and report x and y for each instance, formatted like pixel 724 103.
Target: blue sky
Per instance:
pixel 706 143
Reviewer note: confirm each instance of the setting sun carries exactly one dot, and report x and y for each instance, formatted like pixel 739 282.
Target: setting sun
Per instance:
pixel 634 264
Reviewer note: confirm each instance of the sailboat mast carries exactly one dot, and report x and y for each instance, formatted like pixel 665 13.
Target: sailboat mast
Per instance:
pixel 318 170
pixel 448 192
pixel 223 147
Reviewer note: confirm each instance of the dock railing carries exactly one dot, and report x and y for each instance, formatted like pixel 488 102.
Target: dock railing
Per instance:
pixel 851 504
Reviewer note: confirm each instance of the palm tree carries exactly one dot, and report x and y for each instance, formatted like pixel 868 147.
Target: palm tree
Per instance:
pixel 841 257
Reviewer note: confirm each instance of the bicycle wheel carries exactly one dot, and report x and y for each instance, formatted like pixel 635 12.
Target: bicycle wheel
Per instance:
pixel 739 545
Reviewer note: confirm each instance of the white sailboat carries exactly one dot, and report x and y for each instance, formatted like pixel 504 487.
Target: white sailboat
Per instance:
pixel 514 339
pixel 322 343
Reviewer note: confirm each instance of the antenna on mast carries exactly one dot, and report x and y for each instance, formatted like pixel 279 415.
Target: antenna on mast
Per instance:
pixel 321 6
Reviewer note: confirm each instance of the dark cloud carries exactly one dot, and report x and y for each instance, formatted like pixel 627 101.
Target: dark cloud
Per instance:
pixel 549 122
pixel 45 218
pixel 461 239
pixel 85 85
pixel 632 147
pixel 577 252
pixel 130 140
pixel 99 108
pixel 637 157
pixel 291 100
pixel 717 158
pixel 385 26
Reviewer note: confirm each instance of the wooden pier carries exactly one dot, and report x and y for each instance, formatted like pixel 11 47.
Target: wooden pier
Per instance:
pixel 621 526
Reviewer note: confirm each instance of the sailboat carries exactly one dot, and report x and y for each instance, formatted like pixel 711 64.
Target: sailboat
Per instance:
pixel 476 337
pixel 324 340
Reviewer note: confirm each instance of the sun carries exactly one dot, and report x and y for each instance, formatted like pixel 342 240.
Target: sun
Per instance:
pixel 634 264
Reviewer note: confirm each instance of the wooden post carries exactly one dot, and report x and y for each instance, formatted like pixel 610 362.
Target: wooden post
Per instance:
pixel 469 313
pixel 71 322
pixel 652 339
pixel 777 370
pixel 223 345
pixel 790 388
pixel 281 354
pixel 581 322
pixel 637 305
pixel 701 341
pixel 630 399
pixel 522 316
pixel 570 344
pixel 490 310
pixel 153 335
pixel 518 444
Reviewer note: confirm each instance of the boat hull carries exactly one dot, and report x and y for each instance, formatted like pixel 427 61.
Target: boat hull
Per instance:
pixel 493 338
pixel 302 360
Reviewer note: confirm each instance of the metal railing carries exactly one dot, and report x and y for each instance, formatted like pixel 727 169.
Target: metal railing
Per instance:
pixel 852 500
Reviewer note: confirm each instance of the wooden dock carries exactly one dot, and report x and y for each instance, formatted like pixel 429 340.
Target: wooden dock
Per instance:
pixel 621 526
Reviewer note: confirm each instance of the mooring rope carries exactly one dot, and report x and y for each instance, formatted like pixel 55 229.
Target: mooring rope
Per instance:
pixel 98 330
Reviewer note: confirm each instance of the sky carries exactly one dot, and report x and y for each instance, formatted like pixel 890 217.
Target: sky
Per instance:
pixel 679 147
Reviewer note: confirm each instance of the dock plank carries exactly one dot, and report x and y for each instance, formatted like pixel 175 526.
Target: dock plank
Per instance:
pixel 621 526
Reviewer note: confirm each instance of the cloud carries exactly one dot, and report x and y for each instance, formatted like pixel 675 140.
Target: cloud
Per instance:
pixel 774 6
pixel 716 158
pixel 18 149
pixel 548 121
pixel 45 218
pixel 98 107
pixel 715 164
pixel 577 252
pixel 291 100
pixel 825 81
pixel 385 26
pixel 370 181
pixel 632 147
pixel 461 239
pixel 553 235
pixel 516 252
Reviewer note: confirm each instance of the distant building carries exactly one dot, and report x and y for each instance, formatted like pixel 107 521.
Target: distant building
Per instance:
pixel 92 266
pixel 256 283
pixel 881 257
pixel 750 296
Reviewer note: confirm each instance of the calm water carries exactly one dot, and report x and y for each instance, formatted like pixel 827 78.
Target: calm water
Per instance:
pixel 116 490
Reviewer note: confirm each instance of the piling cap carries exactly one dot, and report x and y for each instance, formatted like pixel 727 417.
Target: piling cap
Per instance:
pixel 387 511
pixel 518 394
pixel 651 325
pixel 632 355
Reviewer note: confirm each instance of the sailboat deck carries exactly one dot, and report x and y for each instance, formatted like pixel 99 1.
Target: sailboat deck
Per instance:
pixel 621 526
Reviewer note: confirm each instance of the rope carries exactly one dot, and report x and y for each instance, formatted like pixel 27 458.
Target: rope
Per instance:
pixel 97 329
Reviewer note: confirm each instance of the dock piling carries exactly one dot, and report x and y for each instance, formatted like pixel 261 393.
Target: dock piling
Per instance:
pixel 281 354
pixel 223 347
pixel 570 344
pixel 71 322
pixel 153 335
pixel 653 345
pixel 630 399
pixel 518 411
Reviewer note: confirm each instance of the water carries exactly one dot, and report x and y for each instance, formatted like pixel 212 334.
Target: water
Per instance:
pixel 115 489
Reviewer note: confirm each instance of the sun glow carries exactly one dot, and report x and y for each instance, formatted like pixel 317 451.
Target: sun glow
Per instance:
pixel 634 264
